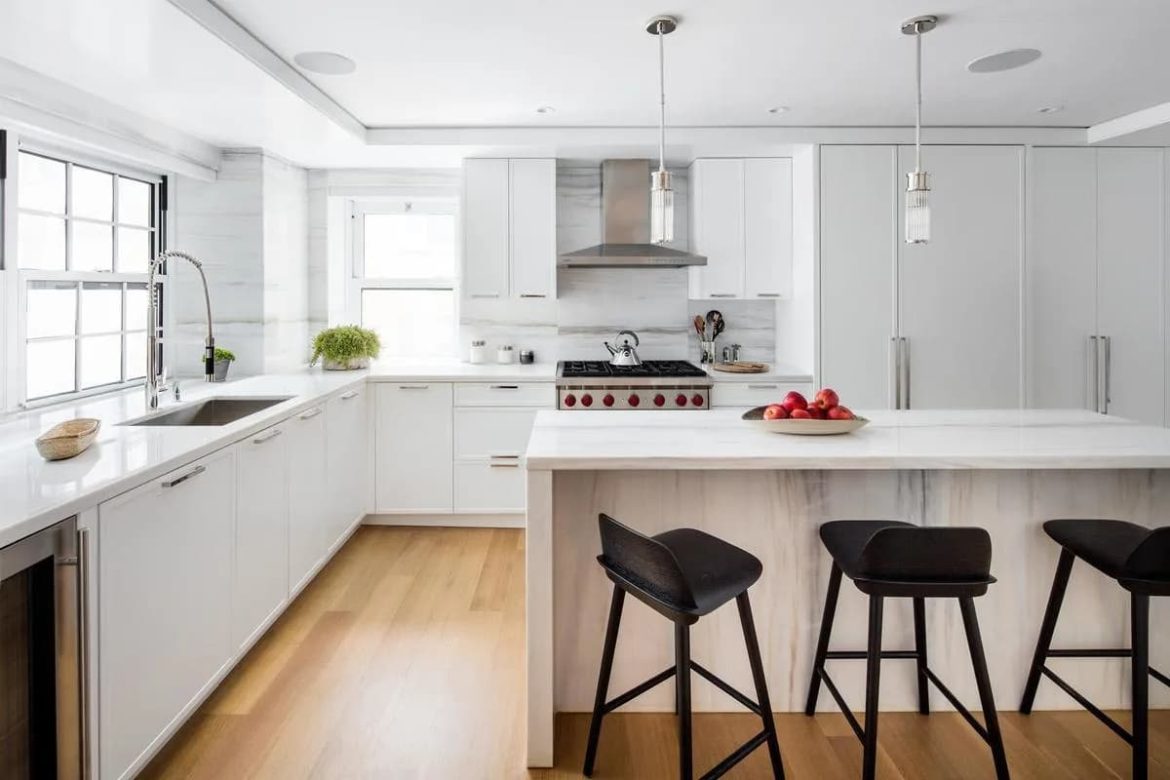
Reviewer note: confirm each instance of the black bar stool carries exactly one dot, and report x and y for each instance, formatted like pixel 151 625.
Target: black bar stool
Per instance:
pixel 682 574
pixel 900 560
pixel 1139 559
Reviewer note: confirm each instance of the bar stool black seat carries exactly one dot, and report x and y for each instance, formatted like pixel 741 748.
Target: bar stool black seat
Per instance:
pixel 887 558
pixel 1139 559
pixel 682 574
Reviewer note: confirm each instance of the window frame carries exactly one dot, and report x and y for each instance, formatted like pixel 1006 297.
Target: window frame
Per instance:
pixel 358 282
pixel 23 278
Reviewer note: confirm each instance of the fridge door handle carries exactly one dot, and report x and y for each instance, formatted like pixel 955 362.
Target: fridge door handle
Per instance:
pixel 1107 348
pixel 1093 370
pixel 905 373
pixel 895 372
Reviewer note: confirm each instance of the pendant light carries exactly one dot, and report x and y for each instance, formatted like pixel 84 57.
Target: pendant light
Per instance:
pixel 918 181
pixel 661 194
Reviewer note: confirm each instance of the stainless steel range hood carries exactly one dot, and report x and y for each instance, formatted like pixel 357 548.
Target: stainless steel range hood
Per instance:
pixel 625 224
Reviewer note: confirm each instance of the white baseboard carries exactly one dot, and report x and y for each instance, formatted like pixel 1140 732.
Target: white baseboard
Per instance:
pixel 450 520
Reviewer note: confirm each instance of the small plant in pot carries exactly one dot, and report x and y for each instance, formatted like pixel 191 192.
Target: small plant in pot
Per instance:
pixel 345 347
pixel 223 360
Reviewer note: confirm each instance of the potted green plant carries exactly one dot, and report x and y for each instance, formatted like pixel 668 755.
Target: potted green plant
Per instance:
pixel 345 347
pixel 223 359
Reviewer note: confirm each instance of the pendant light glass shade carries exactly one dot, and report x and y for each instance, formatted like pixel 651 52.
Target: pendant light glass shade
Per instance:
pixel 917 208
pixel 661 194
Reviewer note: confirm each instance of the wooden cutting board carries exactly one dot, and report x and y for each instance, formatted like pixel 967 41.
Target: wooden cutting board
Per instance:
pixel 742 367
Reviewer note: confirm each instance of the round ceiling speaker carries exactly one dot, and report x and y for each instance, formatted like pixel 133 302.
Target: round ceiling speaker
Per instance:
pixel 1004 60
pixel 325 62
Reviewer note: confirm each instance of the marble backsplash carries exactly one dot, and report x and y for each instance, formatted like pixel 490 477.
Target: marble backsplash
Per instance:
pixel 592 304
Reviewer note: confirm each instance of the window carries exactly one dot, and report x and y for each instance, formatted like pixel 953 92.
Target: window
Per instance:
pixel 405 271
pixel 85 238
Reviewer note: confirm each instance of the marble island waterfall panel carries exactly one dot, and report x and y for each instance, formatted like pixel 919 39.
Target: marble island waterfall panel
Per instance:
pixel 775 515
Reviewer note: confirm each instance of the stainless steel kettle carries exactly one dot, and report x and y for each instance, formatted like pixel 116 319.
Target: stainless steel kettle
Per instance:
pixel 624 354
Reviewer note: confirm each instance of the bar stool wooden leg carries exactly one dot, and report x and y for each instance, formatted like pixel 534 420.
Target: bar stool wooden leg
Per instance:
pixel 872 689
pixel 983 682
pixel 682 673
pixel 753 649
pixel 1047 629
pixel 920 649
pixel 611 634
pixel 1140 671
pixel 814 685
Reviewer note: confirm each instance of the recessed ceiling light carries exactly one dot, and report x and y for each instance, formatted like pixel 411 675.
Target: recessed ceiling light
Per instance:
pixel 1004 60
pixel 778 110
pixel 325 62
pixel 1049 109
pixel 545 109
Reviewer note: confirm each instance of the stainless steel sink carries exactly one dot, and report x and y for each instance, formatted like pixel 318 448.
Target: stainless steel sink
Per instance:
pixel 213 411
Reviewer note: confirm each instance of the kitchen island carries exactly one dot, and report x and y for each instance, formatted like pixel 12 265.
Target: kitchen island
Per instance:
pixel 1006 471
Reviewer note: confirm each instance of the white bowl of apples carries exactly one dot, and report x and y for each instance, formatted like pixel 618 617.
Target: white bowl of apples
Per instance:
pixel 825 416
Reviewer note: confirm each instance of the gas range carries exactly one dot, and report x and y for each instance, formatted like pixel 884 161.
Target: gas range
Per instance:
pixel 655 384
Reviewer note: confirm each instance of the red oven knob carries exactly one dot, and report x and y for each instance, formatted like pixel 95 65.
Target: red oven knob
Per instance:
pixel 633 400
pixel 608 400
pixel 587 400
pixel 570 400
pixel 659 399
pixel 680 399
pixel 697 399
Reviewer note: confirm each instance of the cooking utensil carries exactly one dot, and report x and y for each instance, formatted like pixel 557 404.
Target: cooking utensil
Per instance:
pixel 700 326
pixel 741 367
pixel 714 317
pixel 803 427
pixel 624 354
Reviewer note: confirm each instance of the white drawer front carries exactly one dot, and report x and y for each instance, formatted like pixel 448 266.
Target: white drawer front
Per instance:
pixel 541 394
pixel 481 433
pixel 751 394
pixel 481 486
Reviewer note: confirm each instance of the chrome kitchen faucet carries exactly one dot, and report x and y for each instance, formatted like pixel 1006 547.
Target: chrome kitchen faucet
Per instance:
pixel 153 383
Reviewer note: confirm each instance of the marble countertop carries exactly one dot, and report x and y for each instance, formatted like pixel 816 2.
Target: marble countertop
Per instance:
pixel 454 371
pixel 719 439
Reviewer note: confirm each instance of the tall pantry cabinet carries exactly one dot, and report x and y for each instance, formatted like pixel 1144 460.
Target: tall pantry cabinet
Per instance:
pixel 926 326
pixel 1096 281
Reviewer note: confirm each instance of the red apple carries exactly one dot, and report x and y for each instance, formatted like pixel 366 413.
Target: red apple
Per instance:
pixel 775 412
pixel 840 413
pixel 826 398
pixel 794 401
pixel 800 414
pixel 816 413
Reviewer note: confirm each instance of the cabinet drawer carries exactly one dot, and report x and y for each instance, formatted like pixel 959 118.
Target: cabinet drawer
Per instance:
pixel 481 433
pixel 755 393
pixel 485 487
pixel 541 394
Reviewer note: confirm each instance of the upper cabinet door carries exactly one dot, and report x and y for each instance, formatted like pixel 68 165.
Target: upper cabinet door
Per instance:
pixel 1061 304
pixel 534 228
pixel 1130 261
pixel 961 293
pixel 717 224
pixel 486 248
pixel 858 256
pixel 768 228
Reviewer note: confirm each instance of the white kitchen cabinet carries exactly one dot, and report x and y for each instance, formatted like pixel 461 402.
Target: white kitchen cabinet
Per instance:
pixel 485 228
pixel 759 393
pixel 858 311
pixel 413 447
pixel 741 220
pixel 165 605
pixel 1095 302
pixel 489 445
pixel 960 294
pixel 305 441
pixel 260 584
pixel 347 467
pixel 509 228
pixel 533 228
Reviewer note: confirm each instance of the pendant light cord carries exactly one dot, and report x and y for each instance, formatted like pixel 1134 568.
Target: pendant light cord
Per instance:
pixel 918 101
pixel 661 101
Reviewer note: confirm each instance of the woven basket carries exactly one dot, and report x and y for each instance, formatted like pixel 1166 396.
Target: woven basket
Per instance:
pixel 68 439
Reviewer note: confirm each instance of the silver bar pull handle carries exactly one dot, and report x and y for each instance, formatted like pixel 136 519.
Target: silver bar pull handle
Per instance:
pixel 895 373
pixel 1094 373
pixel 1107 347
pixel 767 295
pixel 170 483
pixel 763 387
pixel 348 395
pixel 905 373
pixel 310 414
pixel 83 649
pixel 533 295
pixel 721 295
pixel 484 295
pixel 414 387
pixel 267 436
pixel 505 387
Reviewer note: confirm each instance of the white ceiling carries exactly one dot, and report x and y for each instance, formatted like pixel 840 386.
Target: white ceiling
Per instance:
pixel 470 62
pixel 473 65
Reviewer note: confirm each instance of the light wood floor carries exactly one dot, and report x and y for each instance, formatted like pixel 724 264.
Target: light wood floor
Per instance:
pixel 405 659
